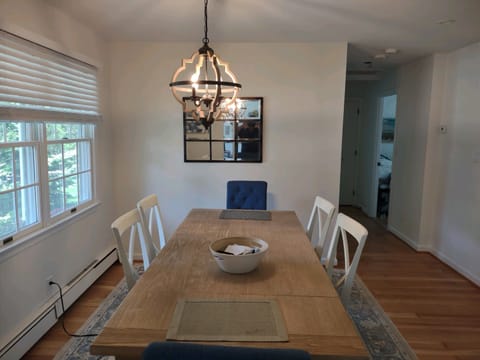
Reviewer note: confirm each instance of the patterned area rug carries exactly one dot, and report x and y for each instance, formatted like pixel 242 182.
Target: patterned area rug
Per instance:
pixel 380 335
pixel 383 340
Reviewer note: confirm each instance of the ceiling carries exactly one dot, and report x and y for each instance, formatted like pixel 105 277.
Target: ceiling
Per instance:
pixel 414 27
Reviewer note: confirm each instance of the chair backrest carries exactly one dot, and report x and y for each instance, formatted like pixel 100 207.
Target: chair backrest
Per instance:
pixel 245 194
pixel 149 211
pixel 344 225
pixel 322 214
pixel 189 351
pixel 131 221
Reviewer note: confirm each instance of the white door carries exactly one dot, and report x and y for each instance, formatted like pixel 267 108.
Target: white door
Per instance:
pixel 349 170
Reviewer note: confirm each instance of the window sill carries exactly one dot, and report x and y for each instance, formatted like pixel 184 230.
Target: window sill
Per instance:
pixel 31 239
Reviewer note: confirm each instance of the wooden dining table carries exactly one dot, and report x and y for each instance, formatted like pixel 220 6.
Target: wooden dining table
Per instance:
pixel 290 273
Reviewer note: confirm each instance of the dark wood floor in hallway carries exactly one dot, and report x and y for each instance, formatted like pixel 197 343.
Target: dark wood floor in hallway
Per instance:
pixel 436 309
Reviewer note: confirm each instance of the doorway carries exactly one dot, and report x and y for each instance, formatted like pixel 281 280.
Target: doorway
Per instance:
pixel 385 148
pixel 350 145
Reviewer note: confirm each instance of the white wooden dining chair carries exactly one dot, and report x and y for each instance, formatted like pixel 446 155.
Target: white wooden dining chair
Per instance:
pixel 131 221
pixel 151 218
pixel 322 215
pixel 344 225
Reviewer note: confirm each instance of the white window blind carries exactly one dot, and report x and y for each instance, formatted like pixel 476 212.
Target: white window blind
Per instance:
pixel 39 83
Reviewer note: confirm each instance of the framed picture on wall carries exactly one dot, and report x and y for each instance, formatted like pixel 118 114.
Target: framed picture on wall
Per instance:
pixel 388 130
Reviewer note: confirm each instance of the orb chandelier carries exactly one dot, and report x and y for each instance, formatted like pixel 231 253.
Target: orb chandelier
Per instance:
pixel 204 84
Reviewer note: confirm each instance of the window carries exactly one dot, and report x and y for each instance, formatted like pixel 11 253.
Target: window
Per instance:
pixel 48 112
pixel 69 166
pixel 19 180
pixel 66 148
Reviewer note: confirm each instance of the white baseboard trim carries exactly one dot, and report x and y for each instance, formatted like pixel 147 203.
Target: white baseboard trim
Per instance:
pixel 403 237
pixel 47 315
pixel 364 209
pixel 438 254
pixel 459 268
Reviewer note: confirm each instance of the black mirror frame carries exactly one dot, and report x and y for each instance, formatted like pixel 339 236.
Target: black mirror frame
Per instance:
pixel 194 133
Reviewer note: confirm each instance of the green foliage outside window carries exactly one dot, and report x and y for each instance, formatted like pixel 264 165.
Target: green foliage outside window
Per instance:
pixel 69 171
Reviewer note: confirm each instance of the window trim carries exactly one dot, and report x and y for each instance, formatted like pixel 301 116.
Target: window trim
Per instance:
pixel 36 144
pixel 49 219
pixel 27 240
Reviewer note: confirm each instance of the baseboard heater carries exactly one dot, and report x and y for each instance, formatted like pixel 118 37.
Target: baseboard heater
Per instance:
pixel 81 274
pixel 49 313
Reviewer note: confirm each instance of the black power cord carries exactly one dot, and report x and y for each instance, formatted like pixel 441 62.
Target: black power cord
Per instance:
pixel 61 317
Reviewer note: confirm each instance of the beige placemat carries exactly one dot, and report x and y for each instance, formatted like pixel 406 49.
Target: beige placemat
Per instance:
pixel 239 214
pixel 227 320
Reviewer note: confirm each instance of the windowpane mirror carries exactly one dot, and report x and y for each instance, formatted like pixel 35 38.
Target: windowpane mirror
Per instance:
pixel 235 137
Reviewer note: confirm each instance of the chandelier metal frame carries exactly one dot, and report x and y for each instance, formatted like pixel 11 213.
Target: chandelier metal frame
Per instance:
pixel 206 94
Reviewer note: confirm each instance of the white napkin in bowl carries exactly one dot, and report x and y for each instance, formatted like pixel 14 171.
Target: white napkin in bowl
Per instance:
pixel 235 249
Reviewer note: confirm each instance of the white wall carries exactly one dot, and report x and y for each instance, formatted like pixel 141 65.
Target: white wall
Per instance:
pixel 435 154
pixel 414 86
pixel 69 248
pixel 303 90
pixel 389 107
pixel 436 200
pixel 456 236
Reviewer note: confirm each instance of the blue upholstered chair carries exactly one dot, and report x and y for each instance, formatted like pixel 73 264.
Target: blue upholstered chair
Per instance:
pixel 243 194
pixel 189 351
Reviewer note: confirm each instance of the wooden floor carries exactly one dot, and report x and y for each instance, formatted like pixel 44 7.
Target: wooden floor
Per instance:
pixel 76 315
pixel 435 309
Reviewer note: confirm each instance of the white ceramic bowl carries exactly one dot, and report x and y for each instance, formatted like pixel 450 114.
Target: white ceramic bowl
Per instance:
pixel 238 264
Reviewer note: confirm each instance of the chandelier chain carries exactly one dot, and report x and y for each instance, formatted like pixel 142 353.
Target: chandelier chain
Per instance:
pixel 205 26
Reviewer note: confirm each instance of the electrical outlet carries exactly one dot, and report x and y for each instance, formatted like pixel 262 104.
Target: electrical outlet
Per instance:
pixel 50 287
